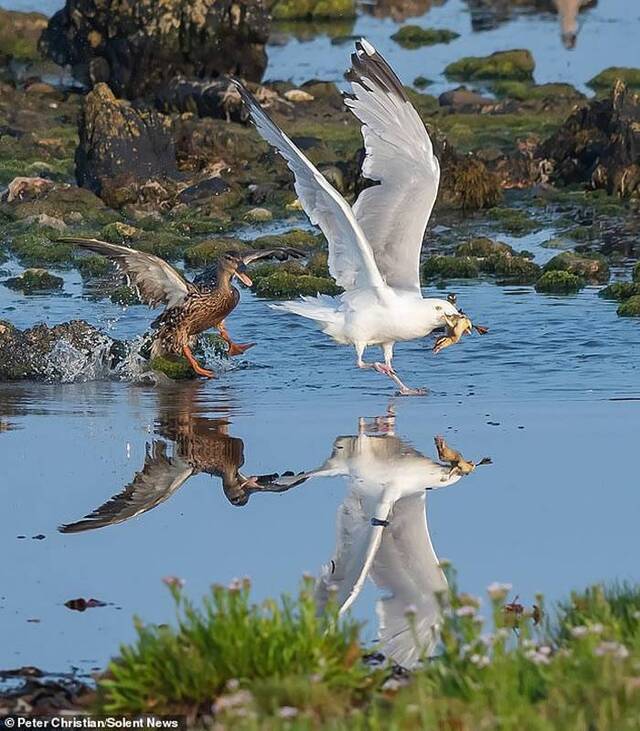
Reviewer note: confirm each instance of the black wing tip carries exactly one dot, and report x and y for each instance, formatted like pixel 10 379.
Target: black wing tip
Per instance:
pixel 367 62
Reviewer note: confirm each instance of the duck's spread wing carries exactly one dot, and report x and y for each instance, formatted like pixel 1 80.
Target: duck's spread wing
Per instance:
pixel 407 569
pixel 160 477
pixel 156 281
pixel 399 156
pixel 351 260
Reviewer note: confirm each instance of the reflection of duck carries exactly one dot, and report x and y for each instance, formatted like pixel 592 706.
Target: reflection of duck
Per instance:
pixel 192 307
pixel 200 444
pixel 568 11
pixel 382 532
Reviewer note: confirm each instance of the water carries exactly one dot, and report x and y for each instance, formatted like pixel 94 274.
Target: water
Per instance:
pixel 551 395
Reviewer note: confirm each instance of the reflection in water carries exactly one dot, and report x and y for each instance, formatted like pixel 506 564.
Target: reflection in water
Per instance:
pixel 382 532
pixel 489 14
pixel 199 444
pixel 398 9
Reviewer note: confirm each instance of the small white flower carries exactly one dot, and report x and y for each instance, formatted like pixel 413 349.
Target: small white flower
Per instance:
pixel 480 661
pixel 528 644
pixel 636 614
pixel 579 631
pixel 596 629
pixel 502 633
pixel 487 639
pixel 615 649
pixel 466 611
pixel 544 650
pixel 498 591
pixel 288 712
pixel 537 658
pixel 410 610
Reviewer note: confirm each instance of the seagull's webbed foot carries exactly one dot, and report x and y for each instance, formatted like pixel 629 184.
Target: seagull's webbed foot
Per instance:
pixel 404 390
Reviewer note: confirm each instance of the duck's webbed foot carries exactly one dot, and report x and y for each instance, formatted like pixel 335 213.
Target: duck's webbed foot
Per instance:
pixel 186 350
pixel 234 348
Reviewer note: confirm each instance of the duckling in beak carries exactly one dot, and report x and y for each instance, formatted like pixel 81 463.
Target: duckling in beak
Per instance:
pixel 457 326
pixel 455 459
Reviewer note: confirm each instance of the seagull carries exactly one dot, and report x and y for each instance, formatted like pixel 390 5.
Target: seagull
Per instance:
pixel 374 246
pixel 382 533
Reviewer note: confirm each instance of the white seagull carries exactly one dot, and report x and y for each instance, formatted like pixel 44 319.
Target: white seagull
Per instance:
pixel 382 533
pixel 374 247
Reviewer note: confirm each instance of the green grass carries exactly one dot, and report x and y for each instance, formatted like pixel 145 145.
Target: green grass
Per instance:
pixel 282 665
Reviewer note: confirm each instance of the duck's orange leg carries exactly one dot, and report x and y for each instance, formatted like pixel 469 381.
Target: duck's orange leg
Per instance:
pixel 234 348
pixel 195 365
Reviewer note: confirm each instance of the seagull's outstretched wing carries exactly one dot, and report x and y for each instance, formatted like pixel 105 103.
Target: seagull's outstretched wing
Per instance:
pixel 156 281
pixel 399 154
pixel 407 568
pixel 160 477
pixel 351 260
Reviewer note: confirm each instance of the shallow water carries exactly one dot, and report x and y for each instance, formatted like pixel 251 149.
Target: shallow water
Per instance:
pixel 551 395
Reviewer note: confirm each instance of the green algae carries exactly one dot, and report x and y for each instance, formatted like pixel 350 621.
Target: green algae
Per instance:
pixel 630 307
pixel 515 269
pixel 559 282
pixel 620 291
pixel 421 82
pixel 516 64
pixel 209 251
pixel 514 220
pixel 176 368
pixel 38 249
pixel 34 280
pixel 297 238
pixel 636 273
pixel 93 266
pixel 482 246
pixel 283 284
pixel 413 36
pixel 607 78
pixel 592 267
pixel 524 91
pixel 313 9
pixel 450 267
pixel 125 296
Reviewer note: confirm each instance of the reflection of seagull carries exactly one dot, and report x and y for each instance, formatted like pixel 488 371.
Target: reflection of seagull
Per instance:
pixel 568 11
pixel 382 532
pixel 374 247
pixel 200 444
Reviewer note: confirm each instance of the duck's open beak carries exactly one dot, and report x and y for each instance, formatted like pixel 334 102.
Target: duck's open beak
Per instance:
pixel 244 278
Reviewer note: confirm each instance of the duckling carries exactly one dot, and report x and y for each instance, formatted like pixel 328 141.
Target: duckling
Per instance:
pixel 456 460
pixel 457 326
pixel 191 307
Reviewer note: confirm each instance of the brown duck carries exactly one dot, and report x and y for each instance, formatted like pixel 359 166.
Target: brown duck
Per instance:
pixel 198 444
pixel 191 307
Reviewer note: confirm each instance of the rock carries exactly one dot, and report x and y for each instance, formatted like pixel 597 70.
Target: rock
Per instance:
pixel 204 189
pixel 526 92
pixel 209 251
pixel 607 78
pixel 178 368
pixel 592 267
pixel 312 9
pixel 43 219
pixel 516 65
pixel 40 87
pixel 298 96
pixel 136 47
pixel 413 36
pixel 513 269
pixel 121 148
pixel 258 215
pixel 125 296
pixel 282 284
pixel 450 267
pixel 630 307
pixel 63 202
pixel 24 188
pixel 483 247
pixel 398 10
pixel 70 351
pixel 620 291
pixel 34 280
pixel 19 34
pixel 514 220
pixel 466 182
pixel 216 98
pixel 557 282
pixel 636 273
pixel 421 82
pixel 462 98
pixel 599 145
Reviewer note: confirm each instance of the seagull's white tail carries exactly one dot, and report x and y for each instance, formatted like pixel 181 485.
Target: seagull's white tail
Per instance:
pixel 323 309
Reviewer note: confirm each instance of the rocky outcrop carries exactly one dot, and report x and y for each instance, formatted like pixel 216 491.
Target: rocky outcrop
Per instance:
pixel 136 47
pixel 121 148
pixel 19 33
pixel 67 352
pixel 599 144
